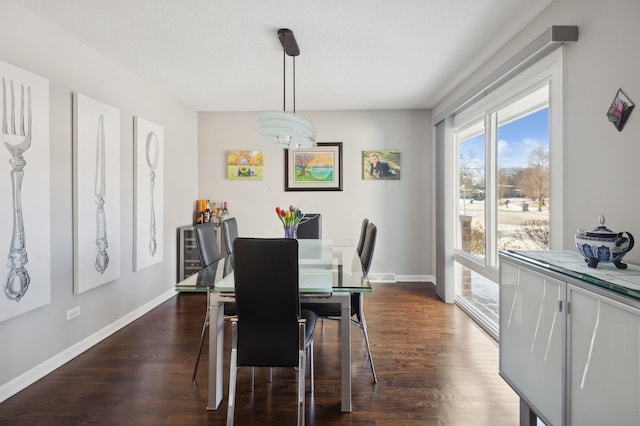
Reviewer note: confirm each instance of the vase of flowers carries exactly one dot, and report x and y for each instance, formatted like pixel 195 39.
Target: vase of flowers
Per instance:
pixel 290 219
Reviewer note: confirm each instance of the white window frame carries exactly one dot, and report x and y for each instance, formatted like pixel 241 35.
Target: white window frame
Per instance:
pixel 549 68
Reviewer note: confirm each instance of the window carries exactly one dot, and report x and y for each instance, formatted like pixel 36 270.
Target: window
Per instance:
pixel 504 152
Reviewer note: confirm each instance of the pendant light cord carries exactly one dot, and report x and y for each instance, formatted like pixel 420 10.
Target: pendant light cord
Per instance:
pixel 284 78
pixel 284 75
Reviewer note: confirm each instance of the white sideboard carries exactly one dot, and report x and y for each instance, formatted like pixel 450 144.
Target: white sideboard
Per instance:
pixel 570 338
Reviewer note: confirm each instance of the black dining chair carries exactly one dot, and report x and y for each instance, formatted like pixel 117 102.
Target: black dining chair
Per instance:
pixel 209 252
pixel 363 234
pixel 332 310
pixel 229 234
pixel 270 329
pixel 207 243
pixel 357 301
pixel 310 226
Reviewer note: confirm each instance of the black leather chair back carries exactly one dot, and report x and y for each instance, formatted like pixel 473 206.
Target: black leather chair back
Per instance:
pixel 368 247
pixel 363 234
pixel 310 226
pixel 267 300
pixel 229 233
pixel 207 243
pixel 366 257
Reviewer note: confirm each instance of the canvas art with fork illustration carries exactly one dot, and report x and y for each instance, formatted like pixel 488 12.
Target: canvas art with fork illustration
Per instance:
pixel 25 230
pixel 149 190
pixel 96 193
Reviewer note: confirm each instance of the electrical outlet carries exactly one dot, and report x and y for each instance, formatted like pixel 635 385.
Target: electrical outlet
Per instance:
pixel 72 313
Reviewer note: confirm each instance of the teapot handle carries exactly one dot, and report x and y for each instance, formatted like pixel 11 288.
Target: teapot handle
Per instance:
pixel 631 242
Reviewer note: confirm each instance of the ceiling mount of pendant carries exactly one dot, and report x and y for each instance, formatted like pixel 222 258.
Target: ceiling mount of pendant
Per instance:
pixel 288 42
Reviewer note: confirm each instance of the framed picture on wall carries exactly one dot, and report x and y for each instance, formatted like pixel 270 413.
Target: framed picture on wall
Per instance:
pixel 96 182
pixel 620 110
pixel 314 169
pixel 148 193
pixel 381 165
pixel 245 165
pixel 25 191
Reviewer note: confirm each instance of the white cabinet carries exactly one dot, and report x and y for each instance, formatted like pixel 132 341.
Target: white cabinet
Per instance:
pixel 570 342
pixel 604 360
pixel 531 338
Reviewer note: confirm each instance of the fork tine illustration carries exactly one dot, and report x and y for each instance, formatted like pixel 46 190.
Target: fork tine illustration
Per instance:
pixel 22 110
pixel 18 278
pixel 4 107
pixel 13 110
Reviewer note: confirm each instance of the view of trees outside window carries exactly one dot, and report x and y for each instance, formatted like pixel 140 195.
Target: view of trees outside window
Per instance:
pixel 471 167
pixel 522 185
pixel 523 182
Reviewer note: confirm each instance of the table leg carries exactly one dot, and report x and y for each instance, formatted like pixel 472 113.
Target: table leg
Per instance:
pixel 527 416
pixel 216 343
pixel 345 323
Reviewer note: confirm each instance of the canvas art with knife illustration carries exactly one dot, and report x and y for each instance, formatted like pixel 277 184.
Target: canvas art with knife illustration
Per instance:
pixel 96 193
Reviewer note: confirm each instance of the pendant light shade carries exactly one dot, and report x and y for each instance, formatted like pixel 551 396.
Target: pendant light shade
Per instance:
pixel 285 128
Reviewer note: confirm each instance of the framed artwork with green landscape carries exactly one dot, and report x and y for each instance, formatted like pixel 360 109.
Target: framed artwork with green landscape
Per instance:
pixel 245 165
pixel 314 169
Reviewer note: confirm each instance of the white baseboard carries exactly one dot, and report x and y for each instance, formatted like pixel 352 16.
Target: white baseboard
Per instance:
pixel 36 373
pixel 416 278
pixel 390 277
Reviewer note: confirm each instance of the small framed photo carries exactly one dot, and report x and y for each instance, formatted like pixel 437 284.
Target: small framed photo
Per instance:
pixel 381 165
pixel 620 110
pixel 314 169
pixel 245 165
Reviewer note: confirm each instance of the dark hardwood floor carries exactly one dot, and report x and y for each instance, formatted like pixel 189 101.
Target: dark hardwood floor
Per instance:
pixel 435 367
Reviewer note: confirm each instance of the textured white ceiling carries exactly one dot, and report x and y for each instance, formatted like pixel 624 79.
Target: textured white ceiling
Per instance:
pixel 224 55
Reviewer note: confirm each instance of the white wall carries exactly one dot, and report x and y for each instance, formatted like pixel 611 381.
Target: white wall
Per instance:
pixel 601 171
pixel 401 209
pixel 37 337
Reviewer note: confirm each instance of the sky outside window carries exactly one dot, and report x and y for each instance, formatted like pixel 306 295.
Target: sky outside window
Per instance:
pixel 516 140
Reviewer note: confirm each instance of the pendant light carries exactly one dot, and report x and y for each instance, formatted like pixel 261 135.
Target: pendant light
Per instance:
pixel 285 128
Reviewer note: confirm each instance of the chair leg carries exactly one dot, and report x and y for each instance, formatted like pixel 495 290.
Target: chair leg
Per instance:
pixel 311 372
pixel 204 329
pixel 253 379
pixel 373 368
pixel 363 325
pixel 233 372
pixel 301 375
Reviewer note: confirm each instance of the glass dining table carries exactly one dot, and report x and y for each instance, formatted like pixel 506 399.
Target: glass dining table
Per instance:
pixel 329 271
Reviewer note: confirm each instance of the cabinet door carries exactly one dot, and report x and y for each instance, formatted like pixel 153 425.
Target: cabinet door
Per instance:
pixel 531 338
pixel 604 360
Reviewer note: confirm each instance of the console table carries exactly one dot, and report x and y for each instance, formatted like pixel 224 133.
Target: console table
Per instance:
pixel 570 338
